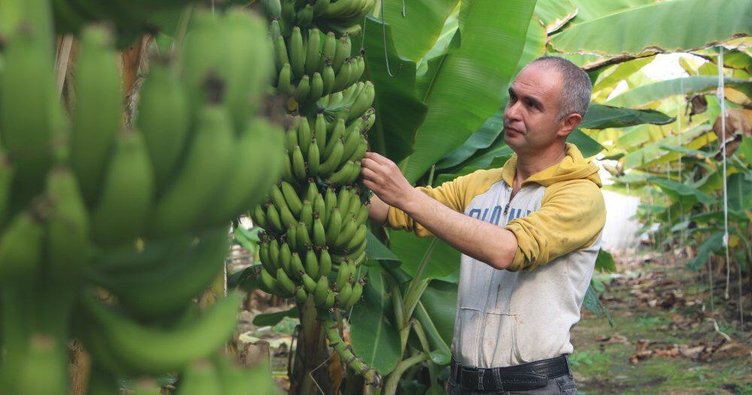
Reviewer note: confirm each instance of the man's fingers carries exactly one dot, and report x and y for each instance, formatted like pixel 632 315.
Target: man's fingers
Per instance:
pixel 377 158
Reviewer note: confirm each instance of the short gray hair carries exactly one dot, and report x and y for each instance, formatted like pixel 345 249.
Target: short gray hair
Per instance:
pixel 576 88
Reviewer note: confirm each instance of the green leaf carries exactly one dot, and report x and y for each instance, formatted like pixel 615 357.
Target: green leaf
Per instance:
pixel 440 301
pixel 647 94
pixel 467 88
pixel 605 262
pixel 374 338
pixel 587 145
pixel 376 250
pixel 608 79
pixel 712 244
pixel 444 262
pixel 682 189
pixel 601 116
pixel 653 27
pixel 593 303
pixel 739 192
pixel 420 27
pixel 555 13
pixel 399 111
pixel 271 319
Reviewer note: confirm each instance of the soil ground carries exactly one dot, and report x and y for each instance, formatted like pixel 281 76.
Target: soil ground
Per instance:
pixel 667 335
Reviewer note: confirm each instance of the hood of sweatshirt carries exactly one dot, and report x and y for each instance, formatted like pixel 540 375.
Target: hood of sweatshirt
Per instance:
pixel 573 167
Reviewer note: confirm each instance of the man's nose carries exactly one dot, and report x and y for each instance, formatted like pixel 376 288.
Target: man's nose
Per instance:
pixel 511 111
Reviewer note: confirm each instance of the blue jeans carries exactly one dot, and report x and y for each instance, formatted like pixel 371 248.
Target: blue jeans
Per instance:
pixel 559 385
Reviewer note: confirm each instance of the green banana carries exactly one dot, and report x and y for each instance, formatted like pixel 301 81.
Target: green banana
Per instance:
pixel 190 271
pixel 280 51
pixel 309 283
pixel 343 276
pixel 344 293
pixel 304 136
pixel 320 292
pixel 291 197
pixel 313 52
pixel 285 257
pixel 6 180
pixel 306 215
pixel 319 234
pixel 312 264
pixel 319 131
pixel 163 118
pixel 270 284
pixel 158 350
pixel 312 191
pixel 343 76
pixel 303 90
pixel 301 295
pixel 319 209
pixel 334 227
pixel 298 164
pixel 264 254
pixel 260 147
pixel 348 173
pixel 275 222
pixel 346 234
pixel 27 98
pixel 350 145
pixel 362 216
pixel 284 82
pixel 206 164
pixel 296 266
pixel 273 256
pixel 273 9
pixel 363 102
pixel 127 193
pixel 305 16
pixel 97 116
pixel 44 369
pixel 297 54
pixel 338 132
pixel 291 237
pixel 357 292
pixel 199 378
pixel 314 158
pixel 328 76
pixel 342 52
pixel 249 68
pixel 358 238
pixel 202 60
pixel 21 249
pixel 330 49
pixel 303 239
pixel 258 216
pixel 332 161
pixel 325 262
pixel 68 246
pixel 317 87
pixel 285 281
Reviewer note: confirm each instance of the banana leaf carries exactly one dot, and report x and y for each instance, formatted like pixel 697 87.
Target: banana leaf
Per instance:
pixel 601 116
pixel 444 262
pixel 609 78
pixel 420 27
pixel 399 112
pixel 646 94
pixel 605 262
pixel 555 13
pixel 374 338
pixel 672 187
pixel 652 27
pixel 440 301
pixel 739 192
pixel 711 245
pixel 466 90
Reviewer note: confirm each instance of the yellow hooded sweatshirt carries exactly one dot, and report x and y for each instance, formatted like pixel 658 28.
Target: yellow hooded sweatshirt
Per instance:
pixel 524 313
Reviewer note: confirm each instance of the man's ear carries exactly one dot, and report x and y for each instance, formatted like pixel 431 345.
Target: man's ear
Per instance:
pixel 568 124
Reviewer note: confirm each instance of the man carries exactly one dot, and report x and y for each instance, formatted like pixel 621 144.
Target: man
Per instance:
pixel 529 234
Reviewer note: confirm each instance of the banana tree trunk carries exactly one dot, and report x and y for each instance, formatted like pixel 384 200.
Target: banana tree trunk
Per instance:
pixel 310 371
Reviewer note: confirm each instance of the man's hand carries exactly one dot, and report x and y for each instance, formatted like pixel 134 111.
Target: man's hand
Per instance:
pixel 385 179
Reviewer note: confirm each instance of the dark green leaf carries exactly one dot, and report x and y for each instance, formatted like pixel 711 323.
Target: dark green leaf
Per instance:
pixel 420 27
pixel 399 111
pixel 271 319
pixel 593 303
pixel 445 260
pixel 600 116
pixel 682 189
pixel 376 250
pixel 374 338
pixel 712 244
pixel 440 301
pixel 605 262
pixel 587 145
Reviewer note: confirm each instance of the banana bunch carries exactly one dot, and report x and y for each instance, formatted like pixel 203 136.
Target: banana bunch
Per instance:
pixel 108 234
pixel 311 64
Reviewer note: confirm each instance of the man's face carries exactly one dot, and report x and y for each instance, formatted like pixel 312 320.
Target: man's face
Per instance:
pixel 530 118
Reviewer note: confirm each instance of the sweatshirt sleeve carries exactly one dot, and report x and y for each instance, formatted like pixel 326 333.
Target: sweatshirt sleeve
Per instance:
pixel 571 216
pixel 452 194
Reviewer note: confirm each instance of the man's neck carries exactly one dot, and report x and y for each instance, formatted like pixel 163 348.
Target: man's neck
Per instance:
pixel 529 164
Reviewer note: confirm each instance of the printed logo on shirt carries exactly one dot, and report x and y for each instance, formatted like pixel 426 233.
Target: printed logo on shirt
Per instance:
pixel 494 215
